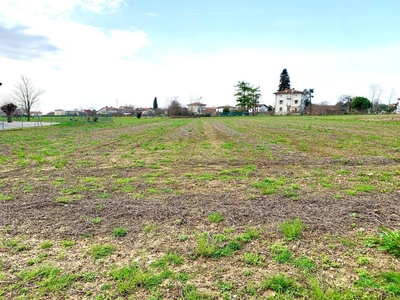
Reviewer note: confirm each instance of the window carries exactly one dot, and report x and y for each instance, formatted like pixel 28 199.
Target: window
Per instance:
pixel 295 95
pixel 280 95
pixel 296 101
pixel 280 101
pixel 280 108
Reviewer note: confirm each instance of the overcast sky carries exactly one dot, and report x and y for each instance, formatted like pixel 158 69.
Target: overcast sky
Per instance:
pixel 93 53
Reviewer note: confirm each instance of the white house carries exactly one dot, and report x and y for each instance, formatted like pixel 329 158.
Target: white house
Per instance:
pixel 109 110
pixel 220 109
pixel 197 108
pixel 288 101
pixel 397 111
pixel 59 112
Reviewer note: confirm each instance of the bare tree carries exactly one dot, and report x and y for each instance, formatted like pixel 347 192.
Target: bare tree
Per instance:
pixel 392 95
pixel 9 109
pixel 27 95
pixel 345 101
pixel 375 92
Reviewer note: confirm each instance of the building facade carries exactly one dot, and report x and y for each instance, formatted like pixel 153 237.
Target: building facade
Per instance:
pixel 289 101
pixel 197 108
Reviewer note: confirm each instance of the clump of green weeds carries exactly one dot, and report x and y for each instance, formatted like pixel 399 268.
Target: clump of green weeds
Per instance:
pixel 281 253
pixel 269 186
pixel 252 258
pixel 248 235
pixel 209 247
pixel 281 284
pixel 390 241
pixel 46 245
pixel 131 277
pixel 305 263
pixel 6 197
pixel 292 228
pixel 119 232
pixel 215 217
pixel 101 251
pixel 206 246
pixel 96 220
pixel 67 243
pixel 167 259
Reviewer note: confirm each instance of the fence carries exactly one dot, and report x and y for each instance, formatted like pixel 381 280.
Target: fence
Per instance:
pixel 37 121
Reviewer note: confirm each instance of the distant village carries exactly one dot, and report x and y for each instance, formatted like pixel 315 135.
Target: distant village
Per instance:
pixel 287 102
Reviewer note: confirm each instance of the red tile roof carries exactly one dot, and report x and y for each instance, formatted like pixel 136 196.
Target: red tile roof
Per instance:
pixel 288 91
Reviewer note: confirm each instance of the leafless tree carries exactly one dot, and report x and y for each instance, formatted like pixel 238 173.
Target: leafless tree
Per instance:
pixel 375 92
pixel 392 95
pixel 345 100
pixel 176 109
pixel 27 95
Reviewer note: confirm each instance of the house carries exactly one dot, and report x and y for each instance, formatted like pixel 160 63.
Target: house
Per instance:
pixel 59 112
pixel 288 101
pixel 128 110
pixel 220 109
pixel 260 108
pixel 197 108
pixel 110 111
pixel 36 113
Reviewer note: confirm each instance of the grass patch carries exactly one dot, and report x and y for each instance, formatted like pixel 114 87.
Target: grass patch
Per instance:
pixel 6 197
pixel 292 229
pixel 101 251
pixel 215 217
pixel 119 232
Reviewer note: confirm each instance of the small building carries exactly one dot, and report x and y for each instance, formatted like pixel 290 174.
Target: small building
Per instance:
pixel 110 111
pixel 197 108
pixel 288 101
pixel 220 109
pixel 36 113
pixel 59 112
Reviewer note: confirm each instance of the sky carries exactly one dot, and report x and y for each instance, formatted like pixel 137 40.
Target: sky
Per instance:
pixel 96 53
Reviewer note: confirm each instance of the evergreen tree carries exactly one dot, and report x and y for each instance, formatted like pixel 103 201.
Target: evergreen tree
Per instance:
pixel 284 82
pixel 247 95
pixel 242 94
pixel 255 95
pixel 361 103
pixel 155 104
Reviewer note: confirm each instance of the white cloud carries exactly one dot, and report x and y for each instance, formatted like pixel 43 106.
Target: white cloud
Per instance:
pixel 22 9
pixel 93 68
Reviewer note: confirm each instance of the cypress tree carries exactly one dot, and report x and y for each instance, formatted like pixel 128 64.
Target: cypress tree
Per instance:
pixel 155 104
pixel 284 82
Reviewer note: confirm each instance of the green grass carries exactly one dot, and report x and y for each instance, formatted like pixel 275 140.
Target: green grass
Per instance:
pixel 281 284
pixel 252 258
pixel 6 197
pixel 292 229
pixel 215 217
pixel 67 243
pixel 96 220
pixel 101 251
pixel 390 241
pixel 281 253
pixel 46 245
pixel 198 240
pixel 119 232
